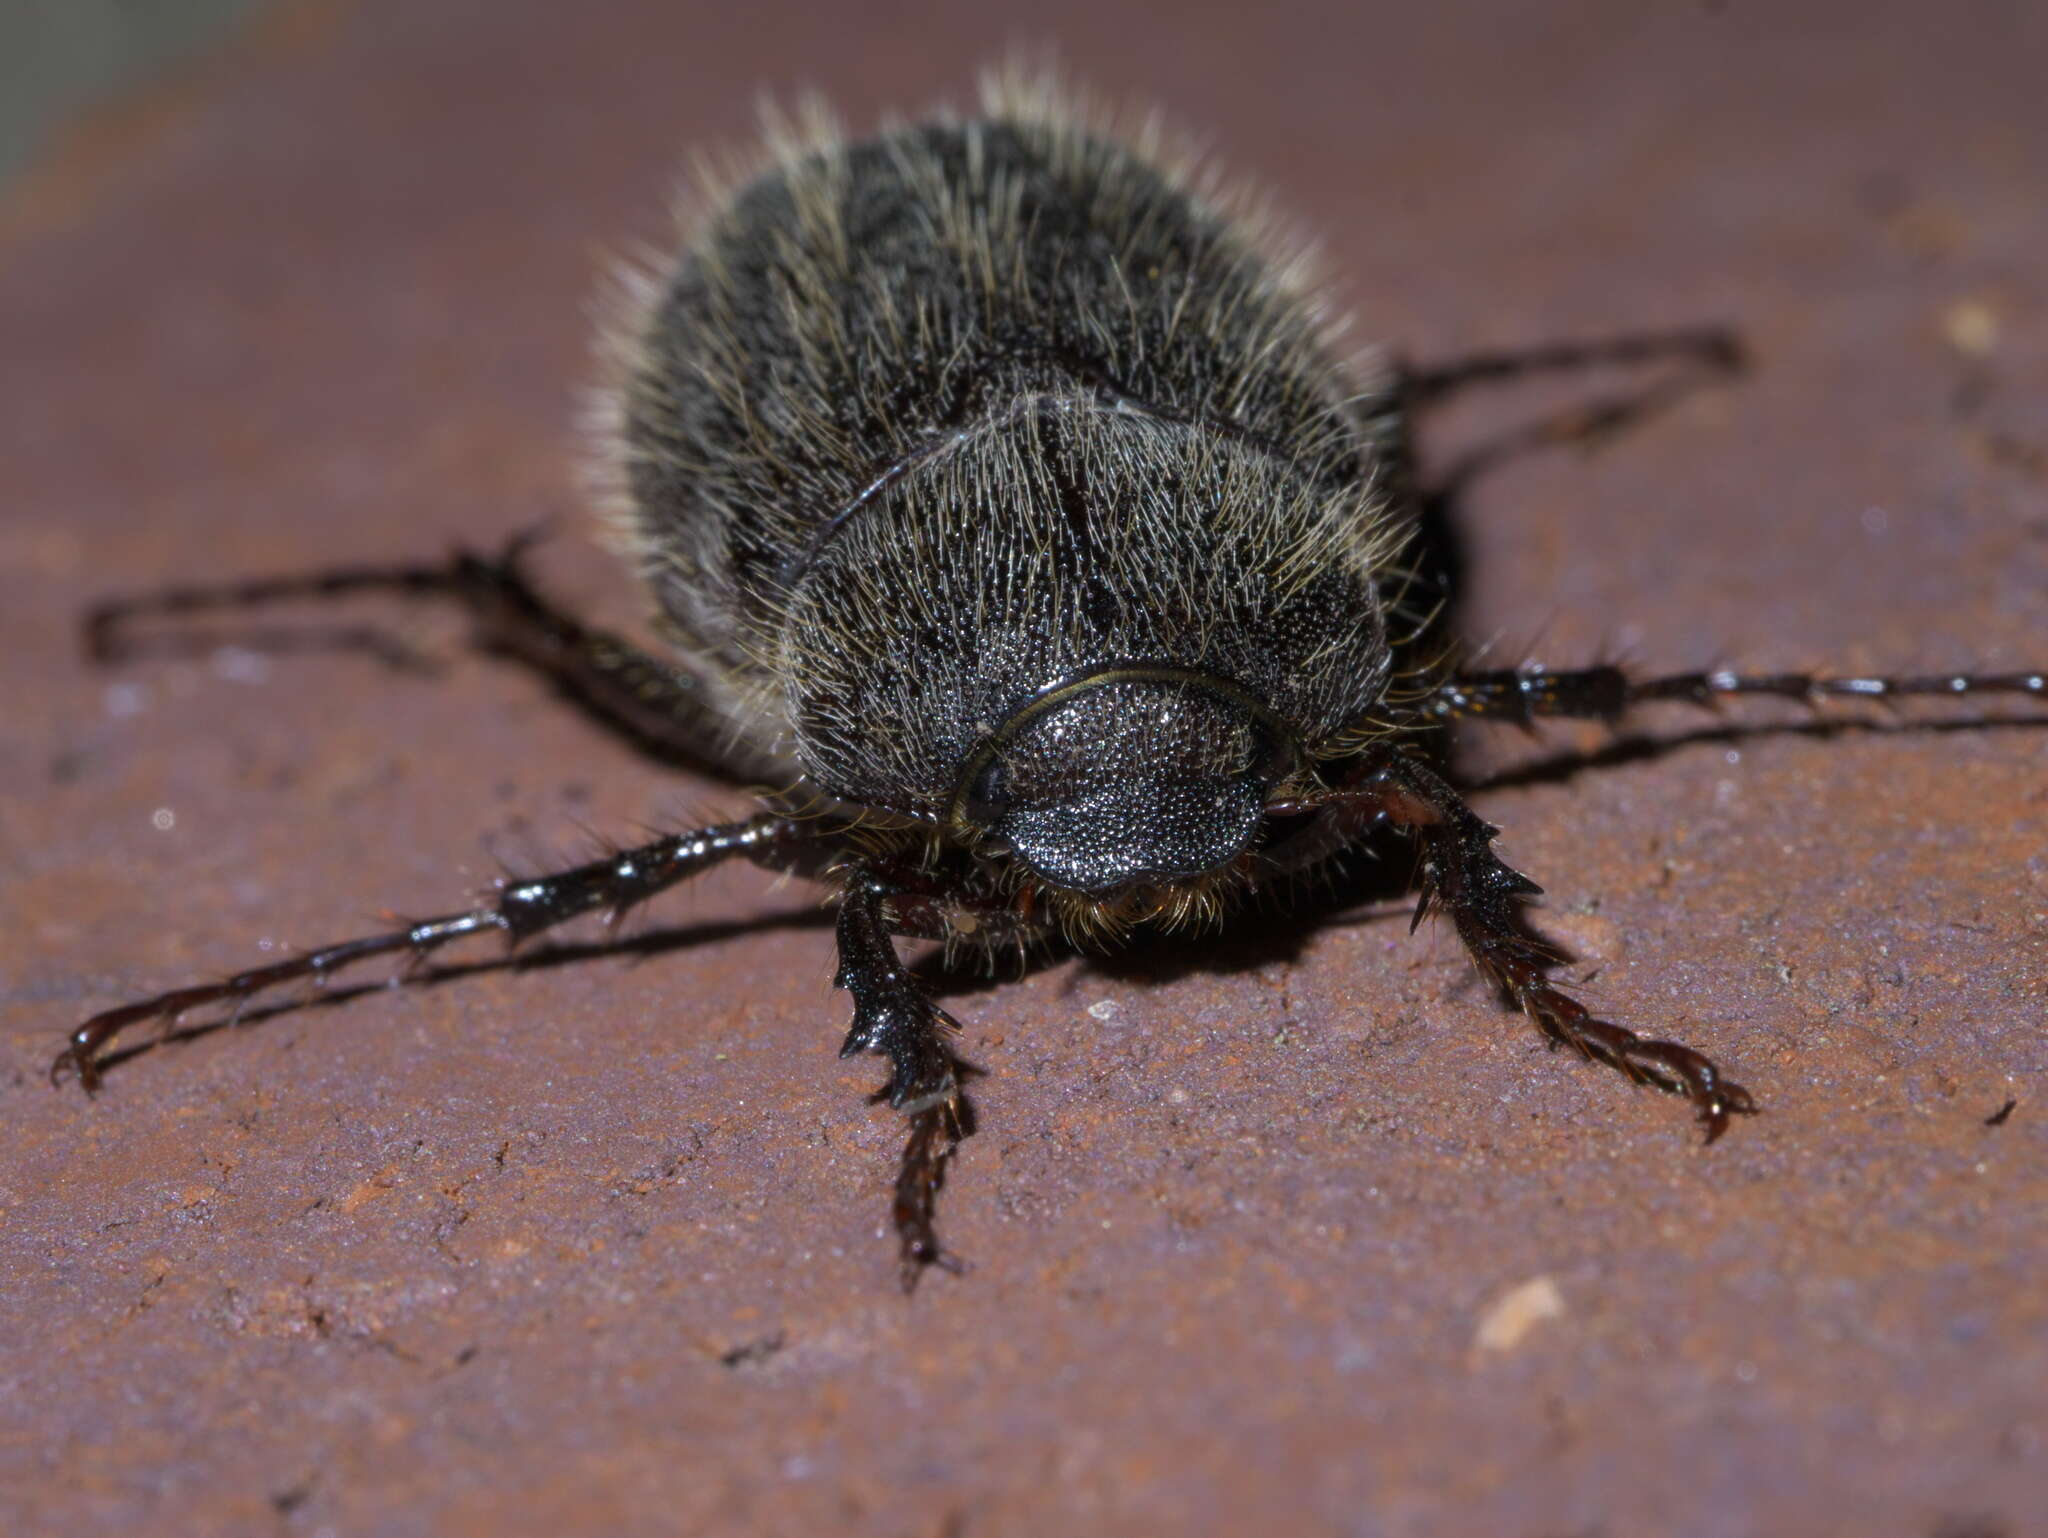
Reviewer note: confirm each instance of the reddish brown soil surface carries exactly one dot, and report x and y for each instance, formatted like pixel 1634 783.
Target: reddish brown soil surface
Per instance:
pixel 1293 1231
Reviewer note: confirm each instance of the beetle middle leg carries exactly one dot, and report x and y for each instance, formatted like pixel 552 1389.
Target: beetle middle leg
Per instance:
pixel 1479 892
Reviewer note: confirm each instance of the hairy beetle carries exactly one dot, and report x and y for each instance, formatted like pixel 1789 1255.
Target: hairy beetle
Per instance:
pixel 1017 517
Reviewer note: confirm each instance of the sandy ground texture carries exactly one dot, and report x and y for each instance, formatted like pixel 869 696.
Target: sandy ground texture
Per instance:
pixel 1298 1228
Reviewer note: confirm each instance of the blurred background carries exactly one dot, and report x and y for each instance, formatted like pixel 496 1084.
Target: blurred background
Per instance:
pixel 58 56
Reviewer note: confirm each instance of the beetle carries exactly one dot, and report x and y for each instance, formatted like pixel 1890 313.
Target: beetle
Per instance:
pixel 1015 516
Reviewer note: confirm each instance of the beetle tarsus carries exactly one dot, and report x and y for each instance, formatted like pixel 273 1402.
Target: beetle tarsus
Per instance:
pixel 935 1133
pixel 1481 893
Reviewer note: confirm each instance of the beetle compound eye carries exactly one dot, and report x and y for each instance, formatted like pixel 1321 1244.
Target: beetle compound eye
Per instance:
pixel 990 796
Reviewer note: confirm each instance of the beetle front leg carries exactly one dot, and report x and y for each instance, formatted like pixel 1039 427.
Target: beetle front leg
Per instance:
pixel 893 1016
pixel 1462 875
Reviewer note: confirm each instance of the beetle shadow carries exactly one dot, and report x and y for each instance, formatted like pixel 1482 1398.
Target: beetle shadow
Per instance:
pixel 1637 748
pixel 1366 884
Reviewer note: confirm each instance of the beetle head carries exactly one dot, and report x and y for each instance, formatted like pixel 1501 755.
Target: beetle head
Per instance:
pixel 1131 778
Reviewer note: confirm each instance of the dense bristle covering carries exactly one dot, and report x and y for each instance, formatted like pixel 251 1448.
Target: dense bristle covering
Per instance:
pixel 919 424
